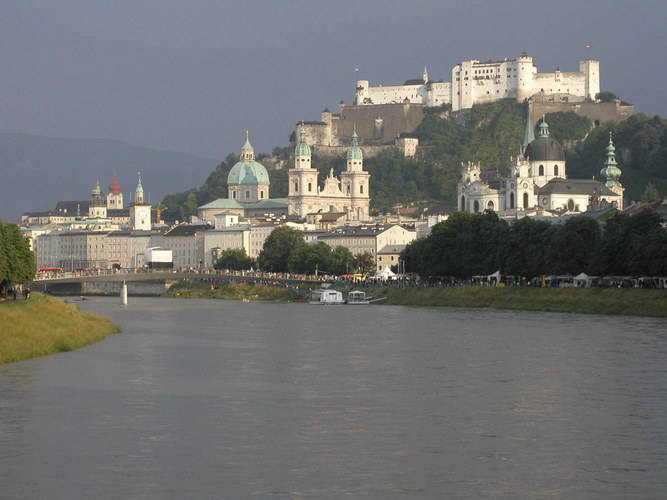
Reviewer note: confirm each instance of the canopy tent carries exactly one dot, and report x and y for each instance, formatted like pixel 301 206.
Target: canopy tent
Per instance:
pixel 385 274
pixel 494 277
pixel 582 280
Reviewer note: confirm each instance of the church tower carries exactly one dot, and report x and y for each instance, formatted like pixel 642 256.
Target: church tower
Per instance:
pixel 356 182
pixel 115 196
pixel 140 212
pixel 303 190
pixel 612 173
pixel 97 209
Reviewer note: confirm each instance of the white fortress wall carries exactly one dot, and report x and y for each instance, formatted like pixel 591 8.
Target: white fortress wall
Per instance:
pixel 475 82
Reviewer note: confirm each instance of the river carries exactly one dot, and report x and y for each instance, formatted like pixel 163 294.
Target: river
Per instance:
pixel 220 399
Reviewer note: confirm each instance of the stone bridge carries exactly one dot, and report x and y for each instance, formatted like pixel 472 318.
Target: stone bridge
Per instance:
pixel 150 282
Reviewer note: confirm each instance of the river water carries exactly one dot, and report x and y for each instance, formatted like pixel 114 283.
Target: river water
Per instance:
pixel 219 399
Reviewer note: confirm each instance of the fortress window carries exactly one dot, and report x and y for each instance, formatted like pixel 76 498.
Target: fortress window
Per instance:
pixel 296 186
pixel 247 194
pixel 310 186
pixel 556 170
pixel 541 170
pixel 361 189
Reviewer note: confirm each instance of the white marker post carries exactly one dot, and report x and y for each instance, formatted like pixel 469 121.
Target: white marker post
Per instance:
pixel 123 294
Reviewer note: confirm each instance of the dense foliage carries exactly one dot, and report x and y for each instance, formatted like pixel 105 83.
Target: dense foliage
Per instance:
pixel 467 244
pixel 285 250
pixel 17 262
pixel 234 259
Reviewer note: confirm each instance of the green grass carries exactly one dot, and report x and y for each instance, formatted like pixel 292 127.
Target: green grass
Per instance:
pixel 610 301
pixel 43 325
pixel 232 291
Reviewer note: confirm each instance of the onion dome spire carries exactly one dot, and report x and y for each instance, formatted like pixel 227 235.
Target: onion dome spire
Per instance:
pixel 610 170
pixel 355 151
pixel 140 188
pixel 302 148
pixel 97 190
pixel 114 187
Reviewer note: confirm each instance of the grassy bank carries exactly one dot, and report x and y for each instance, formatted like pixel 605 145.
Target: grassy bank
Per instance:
pixel 233 291
pixel 610 301
pixel 44 325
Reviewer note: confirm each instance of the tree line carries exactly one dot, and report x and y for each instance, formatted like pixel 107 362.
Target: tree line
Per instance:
pixel 17 262
pixel 467 245
pixel 286 251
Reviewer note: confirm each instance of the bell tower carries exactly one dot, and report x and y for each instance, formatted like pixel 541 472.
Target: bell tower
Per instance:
pixel 140 212
pixel 303 189
pixel 356 182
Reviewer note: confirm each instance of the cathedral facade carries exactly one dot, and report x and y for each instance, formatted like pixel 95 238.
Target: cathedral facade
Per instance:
pixel 349 194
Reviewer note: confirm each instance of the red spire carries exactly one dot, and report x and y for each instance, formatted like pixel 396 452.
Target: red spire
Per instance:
pixel 115 187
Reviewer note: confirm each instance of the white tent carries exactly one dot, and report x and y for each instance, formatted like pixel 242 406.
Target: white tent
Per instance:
pixel 385 274
pixel 495 277
pixel 582 280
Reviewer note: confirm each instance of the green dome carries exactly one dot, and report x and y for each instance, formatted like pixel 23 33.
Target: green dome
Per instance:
pixel 97 190
pixel 355 153
pixel 248 171
pixel 302 149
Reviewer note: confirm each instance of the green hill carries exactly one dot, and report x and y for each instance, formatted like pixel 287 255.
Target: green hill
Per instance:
pixel 489 134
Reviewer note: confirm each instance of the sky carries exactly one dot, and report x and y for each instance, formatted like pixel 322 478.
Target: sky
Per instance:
pixel 193 76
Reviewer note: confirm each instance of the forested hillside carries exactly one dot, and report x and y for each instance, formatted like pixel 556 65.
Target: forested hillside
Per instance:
pixel 489 134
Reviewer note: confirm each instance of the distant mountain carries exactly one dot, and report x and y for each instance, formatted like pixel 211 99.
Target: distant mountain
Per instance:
pixel 36 172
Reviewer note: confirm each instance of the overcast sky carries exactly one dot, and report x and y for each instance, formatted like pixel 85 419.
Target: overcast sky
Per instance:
pixel 193 76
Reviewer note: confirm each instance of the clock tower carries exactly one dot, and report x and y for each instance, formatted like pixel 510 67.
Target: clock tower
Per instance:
pixel 140 212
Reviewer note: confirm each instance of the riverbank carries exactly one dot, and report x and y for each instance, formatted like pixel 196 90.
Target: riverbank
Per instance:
pixel 235 291
pixel 44 325
pixel 608 301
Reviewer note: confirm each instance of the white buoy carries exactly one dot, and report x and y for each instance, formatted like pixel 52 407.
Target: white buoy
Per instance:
pixel 123 294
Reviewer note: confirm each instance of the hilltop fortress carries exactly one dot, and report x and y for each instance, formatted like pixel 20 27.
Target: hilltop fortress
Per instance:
pixel 475 82
pixel 388 114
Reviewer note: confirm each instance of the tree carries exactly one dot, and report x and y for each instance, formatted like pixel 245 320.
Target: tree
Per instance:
pixel 523 252
pixel 233 258
pixel 278 248
pixel 309 259
pixel 342 261
pixel 633 245
pixel 573 246
pixel 17 262
pixel 650 194
pixel 364 263
pixel 606 96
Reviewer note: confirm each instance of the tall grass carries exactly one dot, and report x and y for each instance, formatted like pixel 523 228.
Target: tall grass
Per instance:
pixel 43 325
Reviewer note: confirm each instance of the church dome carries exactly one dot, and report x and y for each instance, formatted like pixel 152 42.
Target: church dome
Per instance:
pixel 302 149
pixel 544 148
pixel 247 170
pixel 114 187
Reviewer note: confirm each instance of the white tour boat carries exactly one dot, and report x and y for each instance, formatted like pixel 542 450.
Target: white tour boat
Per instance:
pixel 358 298
pixel 326 296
